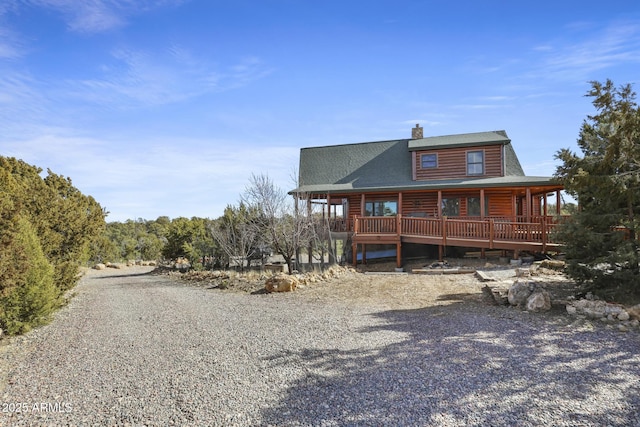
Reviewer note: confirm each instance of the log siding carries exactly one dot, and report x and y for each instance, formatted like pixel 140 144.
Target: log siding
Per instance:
pixel 452 163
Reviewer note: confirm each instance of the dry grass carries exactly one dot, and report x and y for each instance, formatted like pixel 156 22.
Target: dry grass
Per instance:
pixel 378 285
pixel 397 291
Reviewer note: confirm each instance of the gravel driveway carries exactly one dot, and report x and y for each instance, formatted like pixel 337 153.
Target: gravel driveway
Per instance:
pixel 139 349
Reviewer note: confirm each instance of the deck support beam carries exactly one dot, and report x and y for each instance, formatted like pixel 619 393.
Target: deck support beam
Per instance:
pixel 309 213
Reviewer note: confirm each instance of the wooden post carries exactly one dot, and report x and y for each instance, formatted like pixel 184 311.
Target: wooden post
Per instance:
pixel 544 234
pixel 528 201
pixel 354 253
pixel 558 201
pixel 309 213
pixel 354 244
pixel 482 206
pixel 443 222
pixel 492 231
pixel 399 237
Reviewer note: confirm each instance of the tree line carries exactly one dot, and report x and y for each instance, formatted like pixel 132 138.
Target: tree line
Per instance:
pixel 266 221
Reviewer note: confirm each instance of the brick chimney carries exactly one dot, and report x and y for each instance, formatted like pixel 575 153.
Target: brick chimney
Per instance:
pixel 416 132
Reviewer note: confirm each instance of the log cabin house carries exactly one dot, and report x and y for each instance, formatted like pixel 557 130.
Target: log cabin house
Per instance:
pixel 409 195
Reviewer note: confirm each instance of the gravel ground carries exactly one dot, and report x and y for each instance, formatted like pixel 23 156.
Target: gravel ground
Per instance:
pixel 139 349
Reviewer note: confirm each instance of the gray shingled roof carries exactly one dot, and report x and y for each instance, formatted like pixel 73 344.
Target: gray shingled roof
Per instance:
pixel 386 166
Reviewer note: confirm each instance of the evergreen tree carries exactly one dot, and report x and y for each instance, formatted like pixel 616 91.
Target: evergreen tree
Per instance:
pixel 33 296
pixel 47 228
pixel 189 238
pixel 601 237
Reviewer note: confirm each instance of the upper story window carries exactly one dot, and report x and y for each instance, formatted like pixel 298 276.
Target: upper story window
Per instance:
pixel 475 162
pixel 429 161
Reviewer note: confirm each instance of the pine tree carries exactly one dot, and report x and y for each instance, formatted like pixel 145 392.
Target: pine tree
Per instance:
pixel 601 238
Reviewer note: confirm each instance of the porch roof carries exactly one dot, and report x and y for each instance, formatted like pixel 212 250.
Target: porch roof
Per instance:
pixel 544 183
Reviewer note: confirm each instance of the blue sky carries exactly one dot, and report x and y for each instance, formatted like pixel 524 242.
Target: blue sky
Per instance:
pixel 167 107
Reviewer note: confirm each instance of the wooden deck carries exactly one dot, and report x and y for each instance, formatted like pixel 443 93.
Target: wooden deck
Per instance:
pixel 489 233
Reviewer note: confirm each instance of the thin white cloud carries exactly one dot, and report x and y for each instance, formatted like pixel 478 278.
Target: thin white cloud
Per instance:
pixel 497 98
pixel 617 44
pixel 476 106
pixel 137 78
pixel 11 46
pixel 94 16
pixel 21 101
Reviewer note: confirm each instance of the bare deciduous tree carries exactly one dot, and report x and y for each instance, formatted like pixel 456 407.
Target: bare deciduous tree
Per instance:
pixel 286 229
pixel 237 234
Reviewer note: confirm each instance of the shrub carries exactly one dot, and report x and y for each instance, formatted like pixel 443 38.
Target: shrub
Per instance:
pixel 31 296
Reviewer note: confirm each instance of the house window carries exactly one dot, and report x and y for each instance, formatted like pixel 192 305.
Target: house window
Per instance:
pixel 381 208
pixel 475 163
pixel 451 207
pixel 429 161
pixel 473 206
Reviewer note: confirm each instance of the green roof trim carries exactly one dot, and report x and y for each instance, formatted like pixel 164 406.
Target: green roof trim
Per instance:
pixel 476 139
pixel 445 184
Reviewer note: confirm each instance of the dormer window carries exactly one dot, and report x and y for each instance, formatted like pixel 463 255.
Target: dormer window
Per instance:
pixel 429 161
pixel 475 162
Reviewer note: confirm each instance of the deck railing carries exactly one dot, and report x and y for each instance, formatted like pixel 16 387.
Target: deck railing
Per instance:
pixel 537 230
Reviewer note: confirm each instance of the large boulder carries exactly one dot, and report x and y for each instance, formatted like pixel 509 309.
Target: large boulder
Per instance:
pixel 281 283
pixel 519 292
pixel 540 300
pixel 634 312
pixel 114 265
